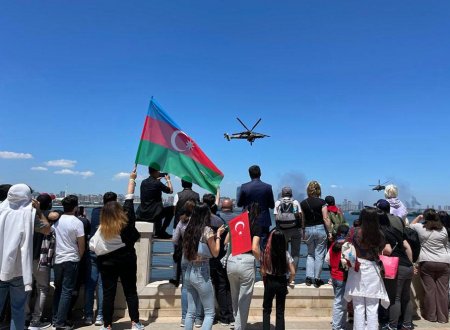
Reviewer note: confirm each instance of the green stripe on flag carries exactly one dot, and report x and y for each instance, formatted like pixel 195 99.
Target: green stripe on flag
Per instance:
pixel 178 164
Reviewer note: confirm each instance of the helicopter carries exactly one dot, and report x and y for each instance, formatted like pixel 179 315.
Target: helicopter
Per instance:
pixel 378 186
pixel 249 135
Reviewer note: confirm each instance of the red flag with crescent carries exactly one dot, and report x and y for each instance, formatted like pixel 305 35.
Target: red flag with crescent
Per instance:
pixel 241 239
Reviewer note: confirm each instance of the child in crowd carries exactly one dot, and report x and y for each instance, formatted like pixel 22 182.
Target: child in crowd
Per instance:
pixel 276 262
pixel 339 278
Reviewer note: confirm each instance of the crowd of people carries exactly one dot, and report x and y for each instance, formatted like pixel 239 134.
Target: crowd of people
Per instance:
pixel 376 264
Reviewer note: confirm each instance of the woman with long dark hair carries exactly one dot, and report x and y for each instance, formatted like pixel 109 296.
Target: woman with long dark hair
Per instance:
pixel 276 264
pixel 434 260
pixel 113 243
pixel 199 245
pixel 365 284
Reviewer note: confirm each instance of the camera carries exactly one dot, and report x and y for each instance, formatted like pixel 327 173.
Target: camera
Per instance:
pixel 163 174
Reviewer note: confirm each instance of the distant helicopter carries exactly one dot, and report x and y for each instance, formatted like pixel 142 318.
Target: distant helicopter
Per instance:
pixel 378 186
pixel 249 135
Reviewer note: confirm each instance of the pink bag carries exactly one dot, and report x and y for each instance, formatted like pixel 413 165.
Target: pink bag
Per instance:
pixel 390 265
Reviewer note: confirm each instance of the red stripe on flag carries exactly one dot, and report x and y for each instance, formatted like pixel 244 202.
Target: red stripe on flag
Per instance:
pixel 164 134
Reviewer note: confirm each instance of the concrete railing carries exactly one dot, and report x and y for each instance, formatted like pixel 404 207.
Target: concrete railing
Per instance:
pixel 162 299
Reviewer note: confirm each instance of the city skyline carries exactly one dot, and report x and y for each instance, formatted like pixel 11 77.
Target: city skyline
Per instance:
pixel 345 204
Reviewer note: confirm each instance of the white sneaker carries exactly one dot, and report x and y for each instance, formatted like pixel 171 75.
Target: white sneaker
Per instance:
pixel 137 326
pixel 99 321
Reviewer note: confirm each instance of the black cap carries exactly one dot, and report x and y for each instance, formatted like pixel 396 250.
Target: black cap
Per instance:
pixel 383 205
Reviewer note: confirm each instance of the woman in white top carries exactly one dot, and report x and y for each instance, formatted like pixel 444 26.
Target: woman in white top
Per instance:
pixel 113 243
pixel 434 260
pixel 365 285
pixel 199 245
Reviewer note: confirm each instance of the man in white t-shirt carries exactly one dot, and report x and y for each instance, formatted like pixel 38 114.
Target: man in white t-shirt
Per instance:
pixel 289 223
pixel 70 246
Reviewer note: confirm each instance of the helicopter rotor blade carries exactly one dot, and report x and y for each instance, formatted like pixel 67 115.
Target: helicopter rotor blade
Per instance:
pixel 242 124
pixel 255 124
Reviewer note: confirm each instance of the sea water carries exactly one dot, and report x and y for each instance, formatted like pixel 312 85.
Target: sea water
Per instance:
pixel 163 263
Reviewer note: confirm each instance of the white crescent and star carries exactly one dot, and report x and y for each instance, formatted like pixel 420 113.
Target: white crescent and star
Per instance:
pixel 173 142
pixel 236 226
pixel 189 145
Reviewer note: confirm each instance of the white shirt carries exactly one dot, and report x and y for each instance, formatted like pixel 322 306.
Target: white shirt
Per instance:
pixel 67 231
pixel 100 246
pixel 296 204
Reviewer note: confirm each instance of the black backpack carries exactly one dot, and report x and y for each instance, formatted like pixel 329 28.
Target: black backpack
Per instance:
pixel 413 239
pixel 285 217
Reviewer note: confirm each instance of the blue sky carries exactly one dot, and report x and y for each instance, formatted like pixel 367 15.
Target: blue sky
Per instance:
pixel 350 92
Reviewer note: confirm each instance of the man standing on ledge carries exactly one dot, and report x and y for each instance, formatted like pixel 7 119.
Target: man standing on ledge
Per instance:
pixel 259 192
pixel 151 208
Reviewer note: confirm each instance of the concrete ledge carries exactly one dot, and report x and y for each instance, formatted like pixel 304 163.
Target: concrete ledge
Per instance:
pixel 162 299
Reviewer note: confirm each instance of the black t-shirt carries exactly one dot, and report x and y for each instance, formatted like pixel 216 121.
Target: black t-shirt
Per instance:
pixel 255 230
pixel 312 211
pixel 395 239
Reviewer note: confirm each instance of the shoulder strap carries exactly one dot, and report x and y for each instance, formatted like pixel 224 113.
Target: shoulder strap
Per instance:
pixel 312 211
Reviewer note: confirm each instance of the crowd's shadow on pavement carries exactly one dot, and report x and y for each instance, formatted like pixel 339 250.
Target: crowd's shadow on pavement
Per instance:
pixel 257 326
pixel 117 324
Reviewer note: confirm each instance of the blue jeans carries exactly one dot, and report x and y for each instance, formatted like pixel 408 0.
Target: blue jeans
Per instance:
pixel 18 298
pixel 65 279
pixel 92 279
pixel 316 241
pixel 199 287
pixel 184 301
pixel 339 305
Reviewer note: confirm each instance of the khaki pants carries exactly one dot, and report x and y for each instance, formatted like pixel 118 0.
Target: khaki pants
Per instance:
pixel 417 296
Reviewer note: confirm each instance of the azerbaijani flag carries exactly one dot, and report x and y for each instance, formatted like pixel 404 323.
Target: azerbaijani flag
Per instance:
pixel 165 144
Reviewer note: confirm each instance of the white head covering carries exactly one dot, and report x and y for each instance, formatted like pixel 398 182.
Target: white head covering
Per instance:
pixel 19 197
pixel 16 234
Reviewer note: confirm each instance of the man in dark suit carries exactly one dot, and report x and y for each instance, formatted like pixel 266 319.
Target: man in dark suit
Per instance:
pixel 261 193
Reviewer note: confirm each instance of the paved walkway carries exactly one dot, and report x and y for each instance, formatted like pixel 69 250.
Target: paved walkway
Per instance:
pixel 292 323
